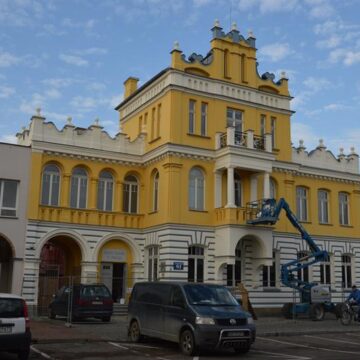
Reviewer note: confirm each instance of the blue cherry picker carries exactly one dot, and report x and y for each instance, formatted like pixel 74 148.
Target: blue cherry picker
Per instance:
pixel 315 299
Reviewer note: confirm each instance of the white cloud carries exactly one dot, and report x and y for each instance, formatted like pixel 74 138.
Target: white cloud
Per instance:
pixel 96 86
pixel 73 60
pixel 116 100
pixel 320 9
pixel 199 3
pixel 8 138
pixel 6 91
pixel 275 52
pixel 53 93
pixel 346 56
pixel 58 82
pixel 268 6
pixel 92 51
pixel 300 131
pixel 7 59
pixel 334 107
pixel 331 42
pixel 315 85
pixel 86 103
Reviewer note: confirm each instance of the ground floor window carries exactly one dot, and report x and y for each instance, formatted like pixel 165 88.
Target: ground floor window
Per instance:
pixel 269 273
pixel 153 261
pixel 233 271
pixel 303 274
pixel 325 271
pixel 196 264
pixel 346 272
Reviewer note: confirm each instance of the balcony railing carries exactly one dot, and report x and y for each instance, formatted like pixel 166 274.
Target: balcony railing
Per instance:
pixel 244 139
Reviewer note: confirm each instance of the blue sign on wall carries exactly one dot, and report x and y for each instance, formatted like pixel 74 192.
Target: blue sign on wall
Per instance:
pixel 178 265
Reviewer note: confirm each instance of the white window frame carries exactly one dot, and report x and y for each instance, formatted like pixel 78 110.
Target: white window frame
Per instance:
pixel 130 185
pixel 238 190
pixel 273 132
pixel 344 207
pixel 323 266
pixel 5 208
pixel 272 189
pixel 192 116
pixel 238 264
pixel 344 274
pixel 302 203
pixel 156 177
pixel 272 283
pixel 153 262
pixel 231 119
pixel 78 179
pixel 198 182
pixel 198 254
pixel 107 181
pixel 301 254
pixel 262 125
pixel 323 206
pixel 204 115
pixel 52 175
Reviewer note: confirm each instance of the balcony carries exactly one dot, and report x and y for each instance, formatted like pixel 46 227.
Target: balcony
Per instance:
pixel 243 139
pixel 90 217
pixel 226 216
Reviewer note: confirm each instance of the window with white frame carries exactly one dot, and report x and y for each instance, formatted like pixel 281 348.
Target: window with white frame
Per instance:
pixel 50 185
pixel 303 274
pixel 78 193
pixel 196 189
pixel 192 114
pixel 344 208
pixel 237 189
pixel 325 271
pixel 8 197
pixel 105 191
pixel 272 189
pixel 262 125
pixel 346 271
pixel 302 203
pixel 130 194
pixel 273 132
pixel 204 111
pixel 156 191
pixel 233 271
pixel 196 264
pixel 153 263
pixel 270 272
pixel 234 118
pixel 323 206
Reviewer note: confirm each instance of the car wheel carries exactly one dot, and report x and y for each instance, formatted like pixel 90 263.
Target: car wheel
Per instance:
pixel 346 317
pixel 106 318
pixel 317 312
pixel 52 314
pixel 134 332
pixel 187 343
pixel 24 355
pixel 242 349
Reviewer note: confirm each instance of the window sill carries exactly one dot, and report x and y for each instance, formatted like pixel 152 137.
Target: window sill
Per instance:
pixel 326 224
pixel 346 226
pixel 199 136
pixel 275 150
pixel 9 217
pixel 196 210
pixel 271 289
pixel 156 139
pixel 305 222
pixel 153 212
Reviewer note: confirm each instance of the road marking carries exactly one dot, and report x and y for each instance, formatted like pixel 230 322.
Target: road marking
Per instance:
pixel 46 356
pixel 118 346
pixel 352 334
pixel 196 358
pixel 291 357
pixel 332 340
pixel 307 346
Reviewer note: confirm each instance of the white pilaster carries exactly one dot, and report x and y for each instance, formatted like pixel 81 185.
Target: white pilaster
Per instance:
pixel 250 139
pixel 230 135
pixel 218 183
pixel 266 185
pixel 230 188
pixel 253 187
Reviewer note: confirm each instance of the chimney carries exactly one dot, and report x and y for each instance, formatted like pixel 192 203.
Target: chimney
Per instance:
pixel 130 86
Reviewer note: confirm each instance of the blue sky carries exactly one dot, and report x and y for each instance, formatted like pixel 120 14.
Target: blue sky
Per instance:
pixel 71 57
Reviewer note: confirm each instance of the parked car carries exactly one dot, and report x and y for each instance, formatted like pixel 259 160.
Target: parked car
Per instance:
pixel 194 315
pixel 15 335
pixel 87 300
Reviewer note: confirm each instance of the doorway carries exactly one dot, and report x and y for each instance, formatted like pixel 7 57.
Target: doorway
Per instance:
pixel 113 275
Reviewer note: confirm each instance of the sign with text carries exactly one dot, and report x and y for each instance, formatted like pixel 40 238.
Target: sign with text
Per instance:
pixel 114 255
pixel 178 265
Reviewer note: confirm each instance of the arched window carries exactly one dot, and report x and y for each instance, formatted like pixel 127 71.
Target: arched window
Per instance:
pixel 130 195
pixel 50 185
pixel 156 191
pixel 272 189
pixel 196 189
pixel 237 189
pixel 78 193
pixel 196 264
pixel 105 191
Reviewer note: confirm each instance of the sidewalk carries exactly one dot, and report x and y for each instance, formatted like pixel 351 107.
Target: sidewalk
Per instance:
pixel 55 331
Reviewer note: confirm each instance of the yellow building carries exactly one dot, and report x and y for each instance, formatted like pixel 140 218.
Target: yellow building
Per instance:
pixel 166 198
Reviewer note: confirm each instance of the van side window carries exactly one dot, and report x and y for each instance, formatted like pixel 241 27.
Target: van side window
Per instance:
pixel 177 297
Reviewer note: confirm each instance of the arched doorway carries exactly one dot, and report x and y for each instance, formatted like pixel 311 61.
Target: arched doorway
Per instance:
pixel 6 265
pixel 115 258
pixel 60 265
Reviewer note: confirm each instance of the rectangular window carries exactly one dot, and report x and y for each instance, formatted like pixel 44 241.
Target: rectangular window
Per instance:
pixel 196 264
pixel 323 206
pixel 204 108
pixel 158 121
pixel 346 271
pixel 325 271
pixel 303 274
pixel 301 203
pixel 153 126
pixel 344 209
pixel 192 104
pixel 8 197
pixel 140 124
pixel 269 273
pixel 273 132
pixel 234 118
pixel 262 125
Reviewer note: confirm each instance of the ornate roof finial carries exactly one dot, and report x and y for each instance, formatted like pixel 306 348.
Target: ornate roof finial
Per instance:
pixel 321 144
pixel 250 33
pixel 23 128
pixel 38 111
pixel 341 151
pixel 233 26
pixel 301 145
pixel 217 23
pixel 96 121
pixel 69 120
pixel 176 46
pixel 283 75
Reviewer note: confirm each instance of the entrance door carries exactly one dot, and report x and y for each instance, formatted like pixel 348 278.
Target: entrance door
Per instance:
pixel 107 275
pixel 118 281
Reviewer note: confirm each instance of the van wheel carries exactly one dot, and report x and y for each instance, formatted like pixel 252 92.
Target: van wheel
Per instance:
pixel 134 332
pixel 242 349
pixel 187 343
pixel 317 312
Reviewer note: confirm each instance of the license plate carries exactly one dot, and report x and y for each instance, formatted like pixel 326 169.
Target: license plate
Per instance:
pixel 97 302
pixel 5 329
pixel 235 333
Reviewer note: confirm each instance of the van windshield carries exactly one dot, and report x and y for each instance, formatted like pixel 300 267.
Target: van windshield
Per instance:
pixel 209 295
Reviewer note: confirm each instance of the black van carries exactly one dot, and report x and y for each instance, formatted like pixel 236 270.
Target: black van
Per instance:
pixel 192 314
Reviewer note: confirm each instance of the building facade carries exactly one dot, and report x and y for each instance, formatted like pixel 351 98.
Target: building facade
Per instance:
pixel 14 183
pixel 165 199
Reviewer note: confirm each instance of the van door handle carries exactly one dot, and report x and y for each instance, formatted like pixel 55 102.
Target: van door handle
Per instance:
pixel 184 319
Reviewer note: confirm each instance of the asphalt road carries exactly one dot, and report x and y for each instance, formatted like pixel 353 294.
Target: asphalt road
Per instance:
pixel 305 347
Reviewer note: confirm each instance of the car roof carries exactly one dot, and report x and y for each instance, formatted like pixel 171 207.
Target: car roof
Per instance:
pixel 9 296
pixel 181 283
